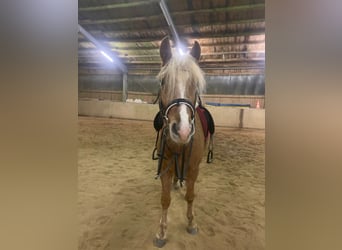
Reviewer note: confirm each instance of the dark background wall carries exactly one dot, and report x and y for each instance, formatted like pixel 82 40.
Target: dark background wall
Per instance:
pixel 223 85
pixel 111 82
pixel 236 85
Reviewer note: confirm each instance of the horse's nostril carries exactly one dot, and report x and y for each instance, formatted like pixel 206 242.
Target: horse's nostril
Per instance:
pixel 174 128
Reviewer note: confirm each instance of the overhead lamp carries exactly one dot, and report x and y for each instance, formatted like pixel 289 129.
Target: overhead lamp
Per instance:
pixel 107 56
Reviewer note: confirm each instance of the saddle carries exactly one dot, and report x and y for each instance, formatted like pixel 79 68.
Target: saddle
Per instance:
pixel 158 121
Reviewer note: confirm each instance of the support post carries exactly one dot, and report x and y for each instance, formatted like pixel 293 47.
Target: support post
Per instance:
pixel 241 118
pixel 124 87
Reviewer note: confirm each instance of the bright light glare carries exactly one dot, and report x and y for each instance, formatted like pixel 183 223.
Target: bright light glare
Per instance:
pixel 180 51
pixel 107 56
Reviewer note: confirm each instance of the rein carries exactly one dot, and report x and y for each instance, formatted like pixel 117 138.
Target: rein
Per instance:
pixel 180 173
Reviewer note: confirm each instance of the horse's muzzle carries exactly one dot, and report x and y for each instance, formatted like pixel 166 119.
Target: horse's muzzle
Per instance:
pixel 181 134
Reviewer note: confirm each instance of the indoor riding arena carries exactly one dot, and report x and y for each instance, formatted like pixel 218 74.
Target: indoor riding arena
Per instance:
pixel 121 50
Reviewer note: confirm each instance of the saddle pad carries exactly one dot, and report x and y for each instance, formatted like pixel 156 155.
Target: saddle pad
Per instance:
pixel 206 120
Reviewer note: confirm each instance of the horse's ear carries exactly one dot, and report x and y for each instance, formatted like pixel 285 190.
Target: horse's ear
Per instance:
pixel 165 50
pixel 196 51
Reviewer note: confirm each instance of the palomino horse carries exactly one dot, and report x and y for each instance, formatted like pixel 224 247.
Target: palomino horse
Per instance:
pixel 181 141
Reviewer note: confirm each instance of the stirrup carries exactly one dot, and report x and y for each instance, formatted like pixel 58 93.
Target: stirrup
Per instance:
pixel 155 155
pixel 210 156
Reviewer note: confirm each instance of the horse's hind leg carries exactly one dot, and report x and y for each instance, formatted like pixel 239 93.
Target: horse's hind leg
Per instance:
pixel 166 181
pixel 189 197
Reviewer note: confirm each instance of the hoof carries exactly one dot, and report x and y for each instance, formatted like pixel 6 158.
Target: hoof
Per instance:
pixel 192 230
pixel 159 242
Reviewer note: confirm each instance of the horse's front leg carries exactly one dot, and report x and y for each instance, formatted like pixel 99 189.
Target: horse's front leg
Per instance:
pixel 175 183
pixel 166 181
pixel 189 197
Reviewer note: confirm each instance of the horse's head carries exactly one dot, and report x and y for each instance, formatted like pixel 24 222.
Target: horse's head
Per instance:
pixel 181 82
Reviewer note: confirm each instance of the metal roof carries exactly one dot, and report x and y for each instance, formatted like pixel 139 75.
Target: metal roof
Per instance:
pixel 231 33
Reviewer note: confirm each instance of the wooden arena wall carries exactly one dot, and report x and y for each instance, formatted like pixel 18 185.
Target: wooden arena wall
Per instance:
pixel 237 117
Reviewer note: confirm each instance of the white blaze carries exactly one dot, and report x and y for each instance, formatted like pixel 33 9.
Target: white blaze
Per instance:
pixel 184 125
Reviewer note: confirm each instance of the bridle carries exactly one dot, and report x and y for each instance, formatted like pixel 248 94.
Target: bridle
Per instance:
pixel 176 102
pixel 180 171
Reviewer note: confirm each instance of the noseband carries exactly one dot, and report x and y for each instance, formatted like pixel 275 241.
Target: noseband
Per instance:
pixel 177 102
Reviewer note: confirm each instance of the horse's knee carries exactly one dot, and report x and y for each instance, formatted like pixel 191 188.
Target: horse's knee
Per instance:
pixel 189 196
pixel 166 189
pixel 190 192
pixel 165 201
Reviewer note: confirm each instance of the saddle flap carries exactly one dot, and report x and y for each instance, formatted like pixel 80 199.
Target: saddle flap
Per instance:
pixel 206 120
pixel 210 120
pixel 158 121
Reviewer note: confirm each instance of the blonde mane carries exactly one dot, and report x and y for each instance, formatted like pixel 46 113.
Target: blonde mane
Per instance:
pixel 182 69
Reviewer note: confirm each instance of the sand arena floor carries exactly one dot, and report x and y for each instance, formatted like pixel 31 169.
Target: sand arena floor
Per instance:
pixel 119 199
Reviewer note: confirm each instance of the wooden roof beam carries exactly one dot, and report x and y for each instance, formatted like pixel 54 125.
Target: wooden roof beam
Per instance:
pixel 176 13
pixel 116 6
pixel 93 54
pixel 184 26
pixel 155 48
pixel 207 35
